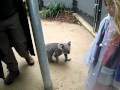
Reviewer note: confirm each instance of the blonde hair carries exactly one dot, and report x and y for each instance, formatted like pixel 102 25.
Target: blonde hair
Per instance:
pixel 116 5
pixel 108 1
pixel 117 15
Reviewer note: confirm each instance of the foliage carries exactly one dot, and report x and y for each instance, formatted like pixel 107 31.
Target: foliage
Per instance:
pixel 52 10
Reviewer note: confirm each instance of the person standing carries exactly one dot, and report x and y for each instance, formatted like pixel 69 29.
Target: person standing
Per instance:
pixel 103 57
pixel 14 32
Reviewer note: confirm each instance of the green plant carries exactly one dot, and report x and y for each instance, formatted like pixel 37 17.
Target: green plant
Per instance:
pixel 52 10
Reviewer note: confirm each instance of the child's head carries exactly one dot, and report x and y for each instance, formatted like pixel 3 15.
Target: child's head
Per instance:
pixel 110 7
pixel 113 8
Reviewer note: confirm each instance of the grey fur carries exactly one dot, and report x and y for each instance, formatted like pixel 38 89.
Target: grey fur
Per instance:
pixel 57 49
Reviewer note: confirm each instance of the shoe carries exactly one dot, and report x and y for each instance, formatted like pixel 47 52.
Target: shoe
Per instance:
pixel 11 77
pixel 30 60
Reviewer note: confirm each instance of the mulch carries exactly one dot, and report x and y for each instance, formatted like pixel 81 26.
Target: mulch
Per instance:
pixel 66 17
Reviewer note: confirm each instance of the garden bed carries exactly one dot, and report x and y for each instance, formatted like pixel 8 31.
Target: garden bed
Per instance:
pixel 66 16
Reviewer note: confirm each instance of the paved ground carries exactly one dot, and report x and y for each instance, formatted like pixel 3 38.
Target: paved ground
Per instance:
pixel 65 76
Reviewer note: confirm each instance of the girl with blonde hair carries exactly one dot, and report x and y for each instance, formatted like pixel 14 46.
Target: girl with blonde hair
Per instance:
pixel 103 56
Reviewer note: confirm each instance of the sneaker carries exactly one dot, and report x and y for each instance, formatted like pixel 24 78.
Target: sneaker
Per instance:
pixel 11 76
pixel 30 60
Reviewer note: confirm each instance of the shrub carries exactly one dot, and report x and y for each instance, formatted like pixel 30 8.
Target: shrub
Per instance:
pixel 52 10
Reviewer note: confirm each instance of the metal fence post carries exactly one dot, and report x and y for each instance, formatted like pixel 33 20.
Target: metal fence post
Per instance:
pixel 74 7
pixel 39 41
pixel 40 3
pixel 97 14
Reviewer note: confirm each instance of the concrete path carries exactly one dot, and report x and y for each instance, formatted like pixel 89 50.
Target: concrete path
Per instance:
pixel 65 75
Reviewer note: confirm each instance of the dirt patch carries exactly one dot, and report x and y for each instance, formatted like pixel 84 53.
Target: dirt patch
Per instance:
pixel 66 16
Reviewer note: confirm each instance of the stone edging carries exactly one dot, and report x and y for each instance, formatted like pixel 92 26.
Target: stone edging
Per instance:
pixel 85 24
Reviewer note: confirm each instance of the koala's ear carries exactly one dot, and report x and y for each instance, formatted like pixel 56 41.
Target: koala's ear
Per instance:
pixel 69 43
pixel 60 46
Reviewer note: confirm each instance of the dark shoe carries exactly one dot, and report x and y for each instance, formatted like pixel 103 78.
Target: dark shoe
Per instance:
pixel 10 77
pixel 30 60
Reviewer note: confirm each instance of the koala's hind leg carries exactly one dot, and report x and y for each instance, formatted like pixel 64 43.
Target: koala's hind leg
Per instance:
pixel 66 57
pixel 56 56
pixel 50 58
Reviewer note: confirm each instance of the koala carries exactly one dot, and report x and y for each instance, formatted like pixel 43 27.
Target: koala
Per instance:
pixel 57 49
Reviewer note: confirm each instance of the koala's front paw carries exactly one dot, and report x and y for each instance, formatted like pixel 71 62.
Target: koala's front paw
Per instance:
pixel 67 60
